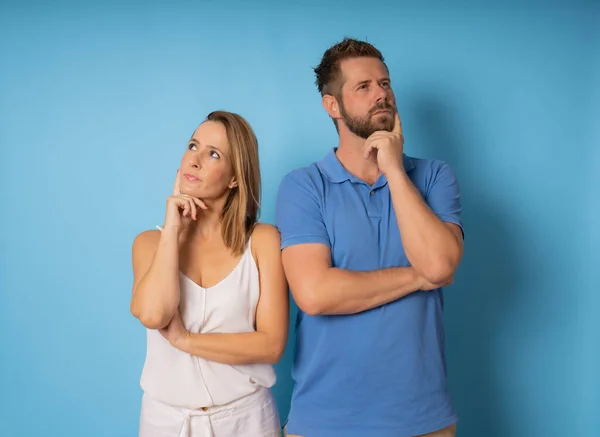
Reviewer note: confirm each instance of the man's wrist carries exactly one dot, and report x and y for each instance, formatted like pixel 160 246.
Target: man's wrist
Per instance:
pixel 396 176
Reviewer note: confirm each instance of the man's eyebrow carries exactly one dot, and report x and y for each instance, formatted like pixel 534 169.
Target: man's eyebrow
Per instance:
pixel 383 79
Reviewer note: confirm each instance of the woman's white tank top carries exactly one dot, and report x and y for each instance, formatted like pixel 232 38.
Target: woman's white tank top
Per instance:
pixel 180 379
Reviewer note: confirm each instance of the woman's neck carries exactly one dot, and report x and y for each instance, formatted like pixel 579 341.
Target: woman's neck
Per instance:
pixel 206 226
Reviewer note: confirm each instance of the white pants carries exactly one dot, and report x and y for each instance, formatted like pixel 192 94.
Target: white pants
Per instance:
pixel 255 415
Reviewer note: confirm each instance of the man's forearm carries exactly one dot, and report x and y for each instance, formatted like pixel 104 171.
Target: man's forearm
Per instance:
pixel 347 292
pixel 430 246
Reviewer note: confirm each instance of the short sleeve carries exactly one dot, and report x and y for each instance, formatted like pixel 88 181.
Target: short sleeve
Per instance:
pixel 298 211
pixel 444 196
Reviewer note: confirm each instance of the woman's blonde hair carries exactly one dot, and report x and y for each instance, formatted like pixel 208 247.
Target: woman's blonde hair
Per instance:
pixel 242 206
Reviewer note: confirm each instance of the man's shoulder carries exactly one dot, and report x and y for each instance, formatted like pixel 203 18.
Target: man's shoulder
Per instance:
pixel 426 171
pixel 427 164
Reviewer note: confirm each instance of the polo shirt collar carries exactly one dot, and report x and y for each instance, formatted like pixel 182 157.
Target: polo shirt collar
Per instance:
pixel 333 169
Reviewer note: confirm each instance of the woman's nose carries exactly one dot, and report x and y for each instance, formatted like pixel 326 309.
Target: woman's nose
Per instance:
pixel 195 161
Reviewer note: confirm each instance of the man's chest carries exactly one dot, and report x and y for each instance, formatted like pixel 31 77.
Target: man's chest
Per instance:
pixel 362 228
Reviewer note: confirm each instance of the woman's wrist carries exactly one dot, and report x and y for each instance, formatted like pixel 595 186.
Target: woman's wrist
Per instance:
pixel 183 342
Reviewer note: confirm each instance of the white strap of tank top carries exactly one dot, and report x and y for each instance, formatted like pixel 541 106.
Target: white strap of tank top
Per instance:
pixel 186 426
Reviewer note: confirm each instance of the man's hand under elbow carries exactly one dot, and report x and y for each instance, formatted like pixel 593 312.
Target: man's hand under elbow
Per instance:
pixel 427 285
pixel 308 301
pixel 439 271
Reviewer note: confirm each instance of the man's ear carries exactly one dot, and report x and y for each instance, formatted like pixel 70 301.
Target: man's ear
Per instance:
pixel 331 105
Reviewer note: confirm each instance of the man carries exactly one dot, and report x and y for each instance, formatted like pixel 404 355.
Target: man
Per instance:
pixel 369 237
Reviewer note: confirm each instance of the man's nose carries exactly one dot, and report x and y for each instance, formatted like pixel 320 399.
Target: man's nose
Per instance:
pixel 382 95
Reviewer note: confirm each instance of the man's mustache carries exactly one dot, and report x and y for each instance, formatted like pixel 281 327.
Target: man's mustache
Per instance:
pixel 380 107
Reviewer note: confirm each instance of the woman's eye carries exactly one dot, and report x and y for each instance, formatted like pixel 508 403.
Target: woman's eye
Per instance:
pixel 214 154
pixel 192 146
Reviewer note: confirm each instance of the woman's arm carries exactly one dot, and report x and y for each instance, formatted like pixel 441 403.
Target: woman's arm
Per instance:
pixel 155 277
pixel 156 262
pixel 267 343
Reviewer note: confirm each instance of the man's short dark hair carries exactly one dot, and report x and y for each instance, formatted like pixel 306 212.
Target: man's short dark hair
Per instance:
pixel 328 73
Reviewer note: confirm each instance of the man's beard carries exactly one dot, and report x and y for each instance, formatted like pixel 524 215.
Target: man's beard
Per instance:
pixel 363 127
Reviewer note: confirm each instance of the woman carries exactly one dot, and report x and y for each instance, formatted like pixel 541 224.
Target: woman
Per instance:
pixel 210 288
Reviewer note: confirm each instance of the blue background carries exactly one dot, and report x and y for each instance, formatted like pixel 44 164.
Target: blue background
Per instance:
pixel 97 101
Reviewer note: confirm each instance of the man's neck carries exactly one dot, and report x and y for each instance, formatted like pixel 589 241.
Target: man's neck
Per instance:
pixel 350 152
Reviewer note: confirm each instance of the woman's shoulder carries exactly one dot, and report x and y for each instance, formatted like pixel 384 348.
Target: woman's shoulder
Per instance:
pixel 265 238
pixel 264 230
pixel 146 240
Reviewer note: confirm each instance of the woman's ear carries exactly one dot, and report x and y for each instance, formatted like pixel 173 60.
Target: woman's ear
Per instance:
pixel 233 183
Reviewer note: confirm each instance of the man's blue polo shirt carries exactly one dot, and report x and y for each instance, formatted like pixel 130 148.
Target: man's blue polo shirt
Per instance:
pixel 382 372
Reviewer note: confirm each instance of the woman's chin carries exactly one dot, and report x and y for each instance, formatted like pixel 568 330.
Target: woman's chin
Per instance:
pixel 191 192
